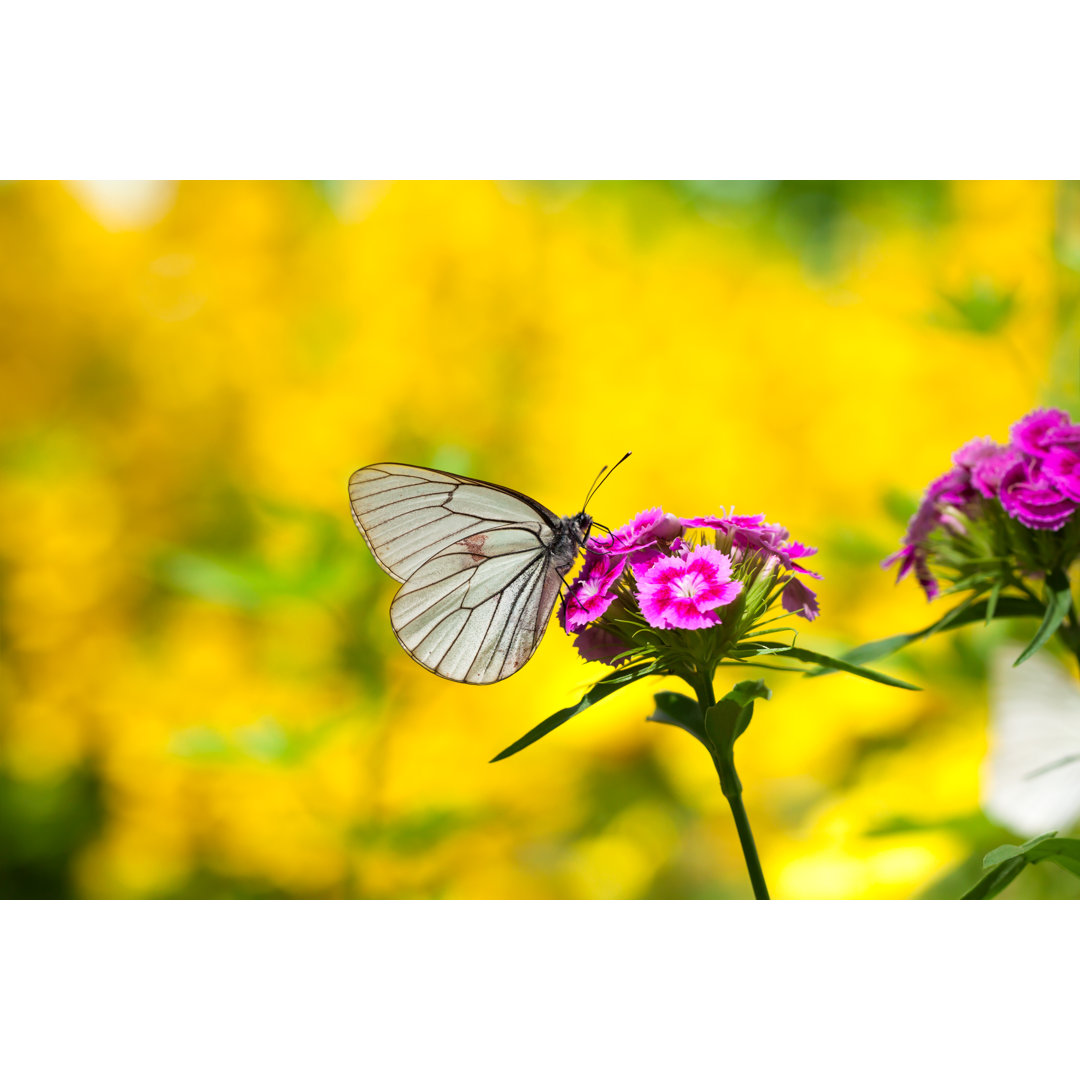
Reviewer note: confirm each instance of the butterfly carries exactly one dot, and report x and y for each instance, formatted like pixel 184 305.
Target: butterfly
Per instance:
pixel 1031 775
pixel 481 565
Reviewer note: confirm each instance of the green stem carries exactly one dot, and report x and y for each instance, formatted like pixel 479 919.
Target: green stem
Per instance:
pixel 746 838
pixel 731 786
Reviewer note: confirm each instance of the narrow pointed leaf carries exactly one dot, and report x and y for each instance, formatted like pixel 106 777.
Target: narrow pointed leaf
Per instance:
pixel 1058 604
pixel 807 656
pixel 1007 607
pixel 607 685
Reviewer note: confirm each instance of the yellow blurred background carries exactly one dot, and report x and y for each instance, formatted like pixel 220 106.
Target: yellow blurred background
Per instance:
pixel 200 694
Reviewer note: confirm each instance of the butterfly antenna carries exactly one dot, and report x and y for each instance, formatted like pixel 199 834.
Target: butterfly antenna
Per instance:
pixel 602 477
pixel 593 486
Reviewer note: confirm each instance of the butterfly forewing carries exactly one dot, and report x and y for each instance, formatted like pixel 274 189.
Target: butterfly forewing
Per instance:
pixel 408 514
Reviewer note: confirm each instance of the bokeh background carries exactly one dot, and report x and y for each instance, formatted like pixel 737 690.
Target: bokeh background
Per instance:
pixel 200 695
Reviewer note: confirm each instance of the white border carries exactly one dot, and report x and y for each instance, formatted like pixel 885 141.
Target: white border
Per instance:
pixel 562 89
pixel 536 989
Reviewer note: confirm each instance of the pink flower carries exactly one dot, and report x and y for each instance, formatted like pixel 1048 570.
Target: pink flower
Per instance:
pixel 683 591
pixel 986 474
pixel 749 532
pixel 949 490
pixel 599 643
pixel 971 453
pixel 795 550
pixel 1038 432
pixel 1062 469
pixel 800 600
pixel 592 591
pixel 640 539
pixel 913 557
pixel 1030 495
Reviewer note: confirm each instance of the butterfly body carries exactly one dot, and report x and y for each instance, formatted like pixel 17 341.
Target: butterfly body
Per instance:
pixel 480 565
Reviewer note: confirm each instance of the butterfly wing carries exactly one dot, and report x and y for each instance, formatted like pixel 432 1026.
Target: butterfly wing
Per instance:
pixel 1031 776
pixel 476 611
pixel 407 514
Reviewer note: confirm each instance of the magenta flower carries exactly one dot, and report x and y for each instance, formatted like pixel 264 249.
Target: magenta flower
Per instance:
pixel 1062 469
pixel 790 552
pixel 747 531
pixel 986 474
pixel 641 531
pixel 913 557
pixel 750 532
pixel 592 591
pixel 599 643
pixel 1030 495
pixel 642 539
pixel 1045 431
pixel 1038 432
pixel 684 591
pixel 977 450
pixel 800 600
pixel 952 489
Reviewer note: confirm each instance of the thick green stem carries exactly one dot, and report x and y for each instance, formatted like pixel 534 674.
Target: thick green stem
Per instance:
pixel 732 789
pixel 746 838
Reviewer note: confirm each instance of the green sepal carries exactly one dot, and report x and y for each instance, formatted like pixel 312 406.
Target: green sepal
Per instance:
pixel 1005 607
pixel 1006 861
pixel 807 656
pixel 1058 604
pixel 607 685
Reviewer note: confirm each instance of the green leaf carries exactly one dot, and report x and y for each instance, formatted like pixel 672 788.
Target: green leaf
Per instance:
pixel 731 715
pixel 992 602
pixel 1007 607
pixel 810 657
pixel 680 711
pixel 1006 861
pixel 607 685
pixel 1008 851
pixel 725 722
pixel 1058 603
pixel 989 885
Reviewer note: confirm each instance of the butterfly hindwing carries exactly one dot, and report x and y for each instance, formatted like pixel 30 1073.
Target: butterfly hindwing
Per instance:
pixel 476 611
pixel 407 514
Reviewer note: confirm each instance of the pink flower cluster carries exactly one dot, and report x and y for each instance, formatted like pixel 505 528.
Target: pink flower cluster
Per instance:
pixel 649 567
pixel 1035 479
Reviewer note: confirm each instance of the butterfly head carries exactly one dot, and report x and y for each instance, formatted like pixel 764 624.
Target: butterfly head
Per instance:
pixel 580 524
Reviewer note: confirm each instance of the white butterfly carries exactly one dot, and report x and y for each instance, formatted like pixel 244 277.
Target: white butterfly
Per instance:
pixel 481 565
pixel 1031 775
